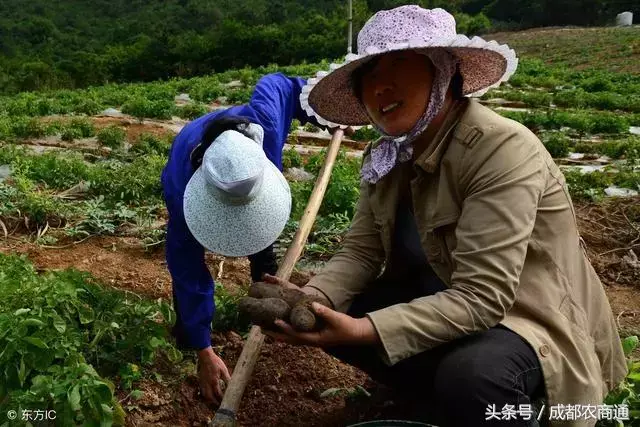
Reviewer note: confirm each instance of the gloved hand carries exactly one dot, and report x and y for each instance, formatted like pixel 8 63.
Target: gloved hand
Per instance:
pixel 267 302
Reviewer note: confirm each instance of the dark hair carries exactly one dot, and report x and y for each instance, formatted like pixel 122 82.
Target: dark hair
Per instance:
pixel 358 74
pixel 457 85
pixel 213 129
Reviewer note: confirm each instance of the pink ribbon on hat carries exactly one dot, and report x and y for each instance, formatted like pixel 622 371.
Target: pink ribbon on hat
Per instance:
pixel 393 150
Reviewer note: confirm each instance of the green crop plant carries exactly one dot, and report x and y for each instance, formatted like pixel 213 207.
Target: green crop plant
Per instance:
pixel 310 127
pixel 22 204
pixel 53 170
pixel 26 127
pixel 142 108
pixel 148 143
pixel 291 159
pixel 192 111
pixel 65 337
pixel 610 123
pixel 84 126
pixel 366 133
pixel 536 99
pixel 326 236
pixel 100 218
pixel 155 92
pixel 615 149
pixel 295 124
pixel 598 84
pixel 591 186
pixel 343 190
pixel 88 106
pixel 239 96
pixel 574 98
pixel 135 182
pixel 70 134
pixel 557 144
pixel 112 136
pixel 6 129
pixel 584 122
pixel 627 393
pixel 228 317
pixel 206 90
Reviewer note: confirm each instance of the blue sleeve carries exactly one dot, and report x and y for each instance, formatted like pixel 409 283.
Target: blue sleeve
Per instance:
pixel 276 101
pixel 193 286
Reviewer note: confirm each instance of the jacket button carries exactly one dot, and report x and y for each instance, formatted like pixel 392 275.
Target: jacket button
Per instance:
pixel 544 350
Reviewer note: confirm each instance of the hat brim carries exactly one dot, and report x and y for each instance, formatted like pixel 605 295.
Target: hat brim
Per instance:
pixel 331 99
pixel 242 229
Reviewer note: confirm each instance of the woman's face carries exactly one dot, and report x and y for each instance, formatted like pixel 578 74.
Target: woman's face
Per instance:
pixel 396 91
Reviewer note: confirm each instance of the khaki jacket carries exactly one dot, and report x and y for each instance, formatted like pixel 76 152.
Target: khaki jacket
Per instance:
pixel 498 227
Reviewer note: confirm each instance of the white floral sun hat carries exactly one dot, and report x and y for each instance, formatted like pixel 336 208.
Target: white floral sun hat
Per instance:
pixel 330 96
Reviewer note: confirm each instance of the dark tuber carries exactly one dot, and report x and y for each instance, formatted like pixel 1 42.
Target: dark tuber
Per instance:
pixel 267 302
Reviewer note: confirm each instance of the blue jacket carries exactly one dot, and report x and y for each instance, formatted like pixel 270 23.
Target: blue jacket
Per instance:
pixel 273 105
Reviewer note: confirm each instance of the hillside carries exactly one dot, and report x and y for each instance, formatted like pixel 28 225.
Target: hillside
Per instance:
pixel 75 43
pixel 605 48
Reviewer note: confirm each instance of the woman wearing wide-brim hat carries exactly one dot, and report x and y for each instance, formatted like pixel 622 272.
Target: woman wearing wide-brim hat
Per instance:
pixel 487 301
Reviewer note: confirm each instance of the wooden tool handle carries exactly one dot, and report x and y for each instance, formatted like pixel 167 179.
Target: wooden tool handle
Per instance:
pixel 310 213
pixel 225 416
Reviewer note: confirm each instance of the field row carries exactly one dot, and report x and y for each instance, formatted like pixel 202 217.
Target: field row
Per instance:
pixel 158 100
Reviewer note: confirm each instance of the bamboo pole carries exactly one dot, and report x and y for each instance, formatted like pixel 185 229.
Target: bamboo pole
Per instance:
pixel 226 414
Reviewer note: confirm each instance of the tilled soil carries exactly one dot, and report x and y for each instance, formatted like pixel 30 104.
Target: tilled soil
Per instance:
pixel 287 380
pixel 285 386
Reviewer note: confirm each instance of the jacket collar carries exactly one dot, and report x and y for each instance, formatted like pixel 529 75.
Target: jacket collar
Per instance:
pixel 429 160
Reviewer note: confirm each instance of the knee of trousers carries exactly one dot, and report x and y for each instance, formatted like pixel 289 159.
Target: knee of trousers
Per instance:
pixel 474 384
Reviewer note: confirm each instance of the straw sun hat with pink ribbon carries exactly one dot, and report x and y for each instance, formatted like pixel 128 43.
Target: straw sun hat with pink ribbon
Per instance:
pixel 330 96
